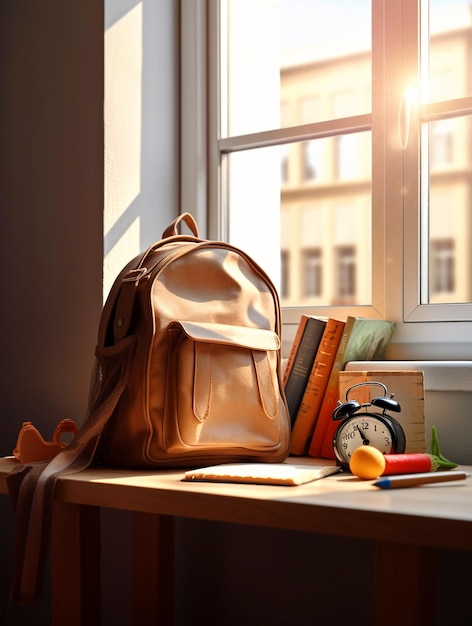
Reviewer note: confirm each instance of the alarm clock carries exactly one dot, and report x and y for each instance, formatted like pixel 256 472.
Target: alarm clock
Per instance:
pixel 367 424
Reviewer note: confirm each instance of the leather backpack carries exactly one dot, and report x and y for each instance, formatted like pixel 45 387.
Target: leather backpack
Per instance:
pixel 187 374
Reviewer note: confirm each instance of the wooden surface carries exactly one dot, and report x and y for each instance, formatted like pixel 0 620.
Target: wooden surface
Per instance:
pixel 338 505
pixel 407 526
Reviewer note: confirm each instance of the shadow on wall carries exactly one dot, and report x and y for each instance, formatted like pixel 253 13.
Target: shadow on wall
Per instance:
pixel 52 201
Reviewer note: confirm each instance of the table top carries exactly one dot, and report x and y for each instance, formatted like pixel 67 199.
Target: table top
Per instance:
pixel 438 515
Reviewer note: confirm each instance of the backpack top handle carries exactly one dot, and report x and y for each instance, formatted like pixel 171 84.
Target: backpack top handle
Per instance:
pixel 173 228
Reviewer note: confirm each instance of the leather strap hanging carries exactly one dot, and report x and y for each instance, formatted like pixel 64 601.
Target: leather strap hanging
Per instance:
pixel 31 486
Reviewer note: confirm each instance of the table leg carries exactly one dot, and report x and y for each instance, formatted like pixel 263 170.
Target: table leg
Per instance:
pixel 153 569
pixel 404 585
pixel 75 565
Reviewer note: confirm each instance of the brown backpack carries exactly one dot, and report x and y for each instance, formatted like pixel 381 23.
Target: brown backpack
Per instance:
pixel 187 373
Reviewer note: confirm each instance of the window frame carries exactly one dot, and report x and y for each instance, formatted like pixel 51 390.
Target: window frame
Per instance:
pixel 423 331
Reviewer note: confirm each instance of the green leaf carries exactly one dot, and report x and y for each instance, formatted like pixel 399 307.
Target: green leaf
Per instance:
pixel 439 461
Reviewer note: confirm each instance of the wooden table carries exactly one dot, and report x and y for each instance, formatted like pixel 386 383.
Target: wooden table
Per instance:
pixel 408 526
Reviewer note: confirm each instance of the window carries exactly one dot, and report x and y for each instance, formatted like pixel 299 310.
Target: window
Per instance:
pixel 285 271
pixel 346 157
pixel 346 274
pixel 312 160
pixel 284 165
pixel 443 267
pixel 312 272
pixel 441 144
pixel 353 141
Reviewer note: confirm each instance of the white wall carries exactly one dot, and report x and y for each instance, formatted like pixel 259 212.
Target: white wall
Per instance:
pixel 141 115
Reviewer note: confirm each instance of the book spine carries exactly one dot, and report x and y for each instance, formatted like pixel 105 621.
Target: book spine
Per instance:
pixel 294 349
pixel 303 363
pixel 316 386
pixel 331 396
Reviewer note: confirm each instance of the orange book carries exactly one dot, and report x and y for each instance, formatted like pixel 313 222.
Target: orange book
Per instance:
pixel 294 349
pixel 315 389
pixel 363 339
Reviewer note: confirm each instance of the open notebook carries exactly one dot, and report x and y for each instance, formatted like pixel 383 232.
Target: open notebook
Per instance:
pixel 261 473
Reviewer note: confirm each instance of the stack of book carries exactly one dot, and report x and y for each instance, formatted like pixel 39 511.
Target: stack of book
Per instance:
pixel 320 350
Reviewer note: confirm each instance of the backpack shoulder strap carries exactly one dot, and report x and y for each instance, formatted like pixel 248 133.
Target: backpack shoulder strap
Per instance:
pixel 31 486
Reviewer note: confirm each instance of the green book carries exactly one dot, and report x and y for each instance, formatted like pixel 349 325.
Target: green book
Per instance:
pixel 363 339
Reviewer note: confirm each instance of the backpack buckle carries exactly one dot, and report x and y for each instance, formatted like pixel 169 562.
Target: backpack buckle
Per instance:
pixel 134 276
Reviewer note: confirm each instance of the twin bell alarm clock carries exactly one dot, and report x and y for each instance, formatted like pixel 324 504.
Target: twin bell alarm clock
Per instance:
pixel 367 424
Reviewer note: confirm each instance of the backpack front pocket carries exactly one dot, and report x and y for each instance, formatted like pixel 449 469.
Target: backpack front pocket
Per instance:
pixel 222 387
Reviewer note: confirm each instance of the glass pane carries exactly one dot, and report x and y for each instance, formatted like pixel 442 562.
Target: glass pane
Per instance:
pixel 253 197
pixel 447 199
pixel 450 30
pixel 326 221
pixel 293 62
pixel 446 161
pixel 309 204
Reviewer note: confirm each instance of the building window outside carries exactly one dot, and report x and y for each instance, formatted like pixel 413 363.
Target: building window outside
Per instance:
pixel 285 270
pixel 312 272
pixel 312 160
pixel 442 144
pixel 347 157
pixel 443 264
pixel 284 165
pixel 345 259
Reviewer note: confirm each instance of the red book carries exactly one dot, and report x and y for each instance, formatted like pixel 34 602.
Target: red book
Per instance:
pixel 307 415
pixel 363 339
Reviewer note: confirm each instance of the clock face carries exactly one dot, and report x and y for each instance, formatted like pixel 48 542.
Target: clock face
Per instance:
pixel 362 429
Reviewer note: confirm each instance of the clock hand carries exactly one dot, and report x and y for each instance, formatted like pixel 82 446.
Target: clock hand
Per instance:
pixel 365 441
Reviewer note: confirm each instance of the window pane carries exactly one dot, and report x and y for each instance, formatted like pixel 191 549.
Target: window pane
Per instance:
pixel 446 162
pixel 447 198
pixel 326 222
pixel 450 29
pixel 292 62
pixel 314 236
pixel 329 245
pixel 302 208
pixel 253 197
pixel 325 59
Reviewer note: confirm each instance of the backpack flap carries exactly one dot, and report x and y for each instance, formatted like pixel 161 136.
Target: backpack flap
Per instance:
pixel 242 336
